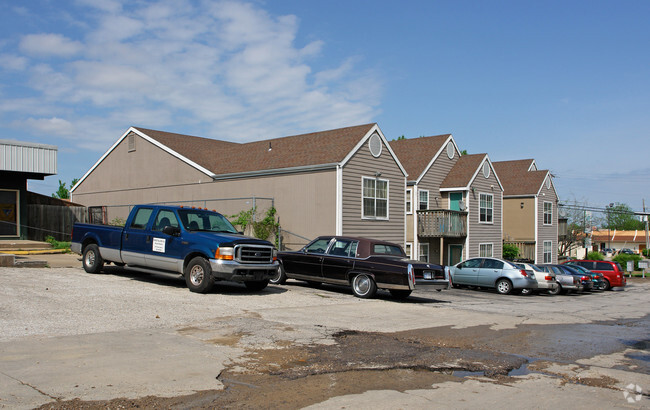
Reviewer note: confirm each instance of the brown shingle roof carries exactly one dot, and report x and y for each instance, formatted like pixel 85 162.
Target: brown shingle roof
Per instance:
pixel 416 153
pixel 223 157
pixel 516 178
pixel 463 171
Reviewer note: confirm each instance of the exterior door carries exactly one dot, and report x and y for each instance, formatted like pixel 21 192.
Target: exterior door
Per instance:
pixel 136 240
pixel 338 262
pixel 455 254
pixel 166 250
pixel 466 273
pixel 455 198
pixel 9 213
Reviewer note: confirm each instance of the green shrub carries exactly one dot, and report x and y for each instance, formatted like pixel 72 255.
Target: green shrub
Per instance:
pixel 622 258
pixel 510 252
pixel 646 253
pixel 595 256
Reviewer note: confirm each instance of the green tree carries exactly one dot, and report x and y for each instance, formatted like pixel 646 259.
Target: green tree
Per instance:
pixel 622 218
pixel 63 192
pixel 401 137
pixel 463 152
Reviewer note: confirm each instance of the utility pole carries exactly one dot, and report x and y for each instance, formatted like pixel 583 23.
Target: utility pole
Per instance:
pixel 647 239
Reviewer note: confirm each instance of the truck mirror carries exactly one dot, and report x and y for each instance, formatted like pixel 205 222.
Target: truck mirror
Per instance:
pixel 171 230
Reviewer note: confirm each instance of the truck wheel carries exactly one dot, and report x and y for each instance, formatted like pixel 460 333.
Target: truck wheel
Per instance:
pixel 363 286
pixel 504 286
pixel 256 285
pixel 92 260
pixel 198 275
pixel 279 278
pixel 400 293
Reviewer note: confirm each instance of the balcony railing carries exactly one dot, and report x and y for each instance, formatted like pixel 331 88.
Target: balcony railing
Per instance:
pixel 441 223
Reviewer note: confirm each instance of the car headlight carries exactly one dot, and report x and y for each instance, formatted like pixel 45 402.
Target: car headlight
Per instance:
pixel 225 253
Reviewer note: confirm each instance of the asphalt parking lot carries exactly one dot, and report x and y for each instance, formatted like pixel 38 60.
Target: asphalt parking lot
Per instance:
pixel 70 338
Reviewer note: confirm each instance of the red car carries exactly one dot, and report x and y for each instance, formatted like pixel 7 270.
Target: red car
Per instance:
pixel 612 271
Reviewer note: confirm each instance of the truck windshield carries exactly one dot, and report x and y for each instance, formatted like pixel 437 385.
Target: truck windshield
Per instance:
pixel 206 221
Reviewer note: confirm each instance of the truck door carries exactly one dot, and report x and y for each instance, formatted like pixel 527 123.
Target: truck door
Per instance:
pixel 136 239
pixel 166 251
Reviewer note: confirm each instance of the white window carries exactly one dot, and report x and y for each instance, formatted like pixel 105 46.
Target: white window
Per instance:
pixel 424 200
pixel 486 205
pixel 424 252
pixel 548 213
pixel 548 251
pixel 375 198
pixel 409 201
pixel 485 250
pixel 409 250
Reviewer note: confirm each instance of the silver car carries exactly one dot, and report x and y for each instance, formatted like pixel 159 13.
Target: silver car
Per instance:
pixel 566 283
pixel 545 280
pixel 492 273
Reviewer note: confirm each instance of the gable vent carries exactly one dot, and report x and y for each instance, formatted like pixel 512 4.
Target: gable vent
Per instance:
pixel 486 169
pixel 450 150
pixel 131 142
pixel 374 144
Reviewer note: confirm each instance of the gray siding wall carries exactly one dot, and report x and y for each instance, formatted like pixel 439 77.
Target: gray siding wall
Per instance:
pixel 546 232
pixel 363 164
pixel 485 232
pixel 434 177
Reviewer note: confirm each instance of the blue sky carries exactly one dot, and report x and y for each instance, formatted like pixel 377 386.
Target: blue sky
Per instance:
pixel 564 82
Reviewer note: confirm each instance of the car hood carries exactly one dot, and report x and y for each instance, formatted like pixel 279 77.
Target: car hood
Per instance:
pixel 229 239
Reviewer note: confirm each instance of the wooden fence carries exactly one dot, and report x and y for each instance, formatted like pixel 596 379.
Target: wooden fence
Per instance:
pixel 52 220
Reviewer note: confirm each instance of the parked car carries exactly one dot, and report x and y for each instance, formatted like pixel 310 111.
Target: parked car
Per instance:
pixel 545 280
pixel 607 251
pixel 201 245
pixel 567 283
pixel 505 276
pixel 597 278
pixel 627 251
pixel 363 264
pixel 612 271
pixel 585 279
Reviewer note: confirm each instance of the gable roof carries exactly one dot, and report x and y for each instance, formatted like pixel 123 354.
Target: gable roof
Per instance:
pixel 517 178
pixel 463 173
pixel 418 154
pixel 223 159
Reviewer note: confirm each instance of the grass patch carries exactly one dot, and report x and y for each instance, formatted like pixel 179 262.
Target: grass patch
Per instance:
pixel 57 244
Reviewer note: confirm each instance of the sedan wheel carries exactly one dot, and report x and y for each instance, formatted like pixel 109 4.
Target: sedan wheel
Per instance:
pixel 363 286
pixel 504 286
pixel 279 278
pixel 555 291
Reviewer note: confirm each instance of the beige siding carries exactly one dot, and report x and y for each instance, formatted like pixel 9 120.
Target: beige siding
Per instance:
pixel 306 202
pixel 363 164
pixel 546 232
pixel 518 222
pixel 485 232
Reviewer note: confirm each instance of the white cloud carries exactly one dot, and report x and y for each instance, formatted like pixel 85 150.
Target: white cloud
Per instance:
pixel 49 45
pixel 228 69
pixel 56 126
pixel 12 62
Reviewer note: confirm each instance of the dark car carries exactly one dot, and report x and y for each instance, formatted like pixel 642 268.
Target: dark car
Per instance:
pixel 585 279
pixel 567 283
pixel 627 251
pixel 597 278
pixel 363 264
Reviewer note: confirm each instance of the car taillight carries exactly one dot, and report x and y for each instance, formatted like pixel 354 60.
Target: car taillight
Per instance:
pixel 411 276
pixel 548 277
pixel 523 273
pixel 585 278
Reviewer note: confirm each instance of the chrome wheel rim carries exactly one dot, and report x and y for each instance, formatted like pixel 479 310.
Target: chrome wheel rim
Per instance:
pixel 196 275
pixel 504 287
pixel 362 284
pixel 90 258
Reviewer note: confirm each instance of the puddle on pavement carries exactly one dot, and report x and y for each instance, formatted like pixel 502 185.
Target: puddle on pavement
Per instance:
pixel 417 359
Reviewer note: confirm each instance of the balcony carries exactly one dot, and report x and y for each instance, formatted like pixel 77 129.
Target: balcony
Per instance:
pixel 442 223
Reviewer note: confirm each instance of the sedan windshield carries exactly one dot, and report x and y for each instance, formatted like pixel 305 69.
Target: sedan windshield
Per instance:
pixel 205 221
